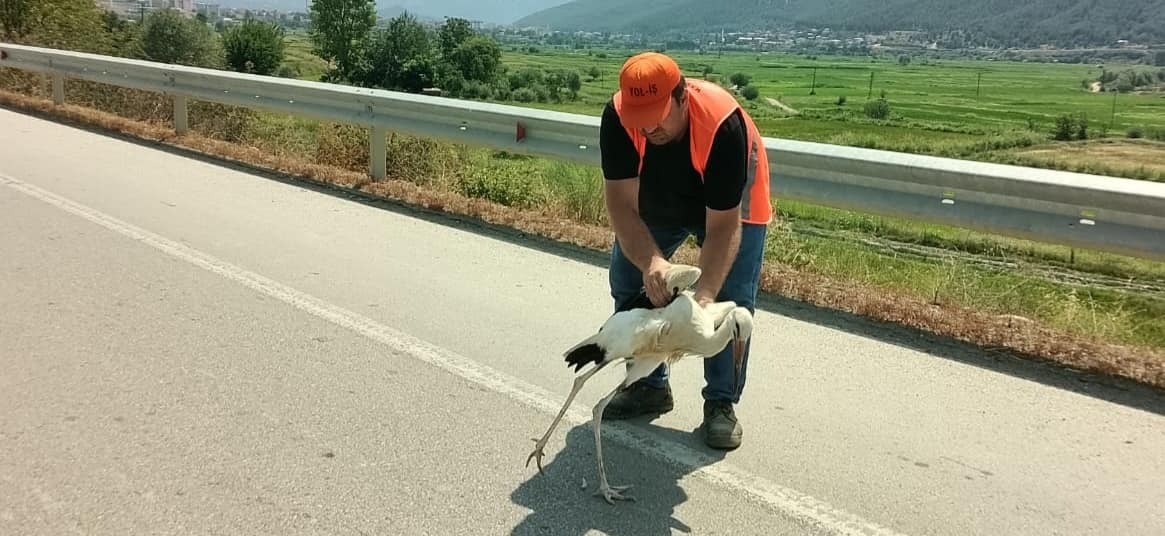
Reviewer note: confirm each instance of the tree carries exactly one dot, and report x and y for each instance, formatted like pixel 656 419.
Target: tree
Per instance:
pixel 254 47
pixel 15 18
pixel 1062 131
pixel 339 33
pixel 751 92
pixel 170 37
pixel 478 58
pixel 64 24
pixel 740 79
pixel 573 83
pixel 1127 81
pixel 452 34
pixel 124 38
pixel 400 56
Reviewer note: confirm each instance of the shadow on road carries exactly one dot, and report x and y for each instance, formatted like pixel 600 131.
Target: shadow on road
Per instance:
pixel 1109 388
pixel 561 506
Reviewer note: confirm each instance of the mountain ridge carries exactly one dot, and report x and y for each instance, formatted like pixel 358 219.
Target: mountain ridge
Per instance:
pixel 999 22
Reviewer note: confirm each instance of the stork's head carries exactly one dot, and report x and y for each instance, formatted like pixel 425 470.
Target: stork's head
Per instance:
pixel 681 277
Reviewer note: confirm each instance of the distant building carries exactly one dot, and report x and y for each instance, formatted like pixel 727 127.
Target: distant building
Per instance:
pixel 210 11
pixel 134 9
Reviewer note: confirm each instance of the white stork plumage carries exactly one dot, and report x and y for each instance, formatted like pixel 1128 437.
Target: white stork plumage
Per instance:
pixel 646 338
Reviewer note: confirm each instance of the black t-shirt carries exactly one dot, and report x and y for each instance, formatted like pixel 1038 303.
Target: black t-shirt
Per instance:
pixel 670 189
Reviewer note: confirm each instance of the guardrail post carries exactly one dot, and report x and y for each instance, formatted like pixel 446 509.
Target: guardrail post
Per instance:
pixel 58 89
pixel 378 152
pixel 181 120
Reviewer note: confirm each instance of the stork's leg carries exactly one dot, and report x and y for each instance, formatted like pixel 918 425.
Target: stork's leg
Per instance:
pixel 578 383
pixel 610 493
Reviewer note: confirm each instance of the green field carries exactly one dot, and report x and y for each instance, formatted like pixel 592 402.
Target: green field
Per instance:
pixel 940 95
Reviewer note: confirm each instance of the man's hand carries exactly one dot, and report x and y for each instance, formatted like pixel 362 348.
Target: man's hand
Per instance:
pixel 703 298
pixel 655 282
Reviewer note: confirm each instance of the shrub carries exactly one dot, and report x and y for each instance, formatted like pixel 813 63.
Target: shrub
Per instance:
pixel 524 94
pixel 878 109
pixel 740 79
pixel 342 145
pixel 476 90
pixel 511 183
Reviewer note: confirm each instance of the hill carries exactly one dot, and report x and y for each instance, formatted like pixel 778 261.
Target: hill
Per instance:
pixel 489 11
pixel 1064 23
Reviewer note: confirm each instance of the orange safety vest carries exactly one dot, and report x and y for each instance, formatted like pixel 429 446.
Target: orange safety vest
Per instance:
pixel 708 106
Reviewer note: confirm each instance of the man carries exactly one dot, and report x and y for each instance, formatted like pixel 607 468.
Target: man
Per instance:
pixel 681 158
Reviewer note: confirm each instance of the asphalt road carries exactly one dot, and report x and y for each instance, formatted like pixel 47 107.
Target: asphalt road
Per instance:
pixel 190 348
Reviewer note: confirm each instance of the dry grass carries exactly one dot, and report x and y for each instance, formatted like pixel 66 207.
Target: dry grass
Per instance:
pixel 345 168
pixel 1114 153
pixel 1139 159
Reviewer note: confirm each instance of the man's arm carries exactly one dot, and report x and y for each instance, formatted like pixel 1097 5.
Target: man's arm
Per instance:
pixel 721 242
pixel 622 200
pixel 725 179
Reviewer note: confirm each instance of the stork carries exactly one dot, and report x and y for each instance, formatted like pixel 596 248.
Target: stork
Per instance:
pixel 647 337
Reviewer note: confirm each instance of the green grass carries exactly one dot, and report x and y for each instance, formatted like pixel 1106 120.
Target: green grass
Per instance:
pixel 1115 316
pixel 298 54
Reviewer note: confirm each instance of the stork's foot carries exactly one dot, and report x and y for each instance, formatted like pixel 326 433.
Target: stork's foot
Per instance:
pixel 614 493
pixel 537 455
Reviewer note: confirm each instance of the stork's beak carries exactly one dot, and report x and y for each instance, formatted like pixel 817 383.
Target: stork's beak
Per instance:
pixel 737 359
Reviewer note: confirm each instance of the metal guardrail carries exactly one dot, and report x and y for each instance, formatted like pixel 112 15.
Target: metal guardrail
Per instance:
pixel 1086 211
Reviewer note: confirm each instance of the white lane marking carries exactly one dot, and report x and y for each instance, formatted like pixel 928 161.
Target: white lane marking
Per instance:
pixel 789 503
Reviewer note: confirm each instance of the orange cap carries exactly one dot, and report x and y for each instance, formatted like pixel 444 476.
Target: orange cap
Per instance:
pixel 646 82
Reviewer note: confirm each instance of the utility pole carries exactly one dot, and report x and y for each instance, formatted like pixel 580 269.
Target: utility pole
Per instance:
pixel 813 89
pixel 978 84
pixel 871 93
pixel 1112 119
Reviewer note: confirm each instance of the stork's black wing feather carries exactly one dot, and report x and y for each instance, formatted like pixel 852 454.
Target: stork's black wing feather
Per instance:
pixel 581 356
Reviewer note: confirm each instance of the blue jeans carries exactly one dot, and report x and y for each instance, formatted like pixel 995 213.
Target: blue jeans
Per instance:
pixel 739 286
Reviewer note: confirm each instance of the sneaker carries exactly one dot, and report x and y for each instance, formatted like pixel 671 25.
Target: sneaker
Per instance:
pixel 639 399
pixel 721 429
